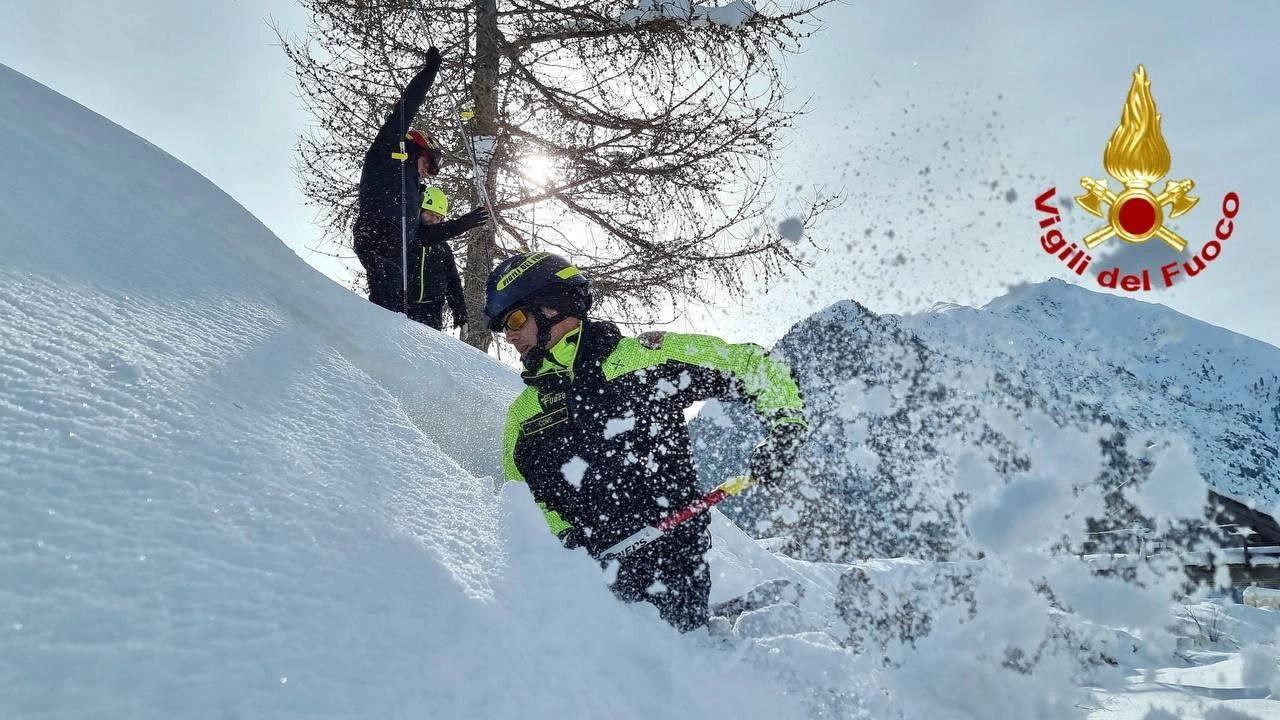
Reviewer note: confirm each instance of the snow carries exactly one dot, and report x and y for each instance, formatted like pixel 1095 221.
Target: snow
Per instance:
pixel 1171 377
pixel 1038 507
pixel 574 470
pixel 482 149
pixel 616 426
pixel 791 230
pixel 230 488
pixel 1175 488
pixel 1262 598
pixel 732 14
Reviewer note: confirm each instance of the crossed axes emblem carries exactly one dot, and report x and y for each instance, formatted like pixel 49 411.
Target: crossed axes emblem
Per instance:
pixel 1136 214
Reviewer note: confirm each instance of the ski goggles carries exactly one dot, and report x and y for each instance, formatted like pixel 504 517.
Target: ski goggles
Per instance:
pixel 515 320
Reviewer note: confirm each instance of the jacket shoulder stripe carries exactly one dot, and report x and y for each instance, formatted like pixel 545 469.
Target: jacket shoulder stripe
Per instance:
pixel 629 356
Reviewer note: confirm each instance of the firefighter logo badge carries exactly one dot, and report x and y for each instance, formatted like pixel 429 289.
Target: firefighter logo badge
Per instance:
pixel 1138 158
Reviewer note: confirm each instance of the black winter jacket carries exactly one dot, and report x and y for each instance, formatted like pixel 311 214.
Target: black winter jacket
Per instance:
pixel 600 436
pixel 433 271
pixel 385 194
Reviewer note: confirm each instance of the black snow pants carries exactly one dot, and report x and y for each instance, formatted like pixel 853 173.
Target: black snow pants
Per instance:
pixel 672 574
pixel 378 247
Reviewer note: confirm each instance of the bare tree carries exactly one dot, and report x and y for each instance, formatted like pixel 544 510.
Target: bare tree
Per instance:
pixel 637 139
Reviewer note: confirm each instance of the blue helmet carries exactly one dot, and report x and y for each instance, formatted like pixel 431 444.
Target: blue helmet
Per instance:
pixel 536 278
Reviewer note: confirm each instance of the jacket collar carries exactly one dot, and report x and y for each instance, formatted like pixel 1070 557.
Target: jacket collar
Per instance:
pixel 560 358
pixel 581 349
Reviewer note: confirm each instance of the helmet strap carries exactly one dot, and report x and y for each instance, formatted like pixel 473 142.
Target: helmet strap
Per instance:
pixel 539 352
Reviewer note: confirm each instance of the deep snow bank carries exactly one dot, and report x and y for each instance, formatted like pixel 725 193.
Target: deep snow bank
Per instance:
pixel 230 488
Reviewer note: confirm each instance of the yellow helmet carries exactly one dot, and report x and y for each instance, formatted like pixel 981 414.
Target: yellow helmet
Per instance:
pixel 434 200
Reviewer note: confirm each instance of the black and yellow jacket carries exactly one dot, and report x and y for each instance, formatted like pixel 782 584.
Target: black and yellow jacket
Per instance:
pixel 433 272
pixel 599 435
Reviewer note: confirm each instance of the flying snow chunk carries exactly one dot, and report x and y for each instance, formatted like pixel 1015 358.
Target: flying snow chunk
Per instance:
pixel 573 471
pixel 1259 666
pixel 791 229
pixel 1175 489
pixel 617 426
pixel 735 14
pixel 715 412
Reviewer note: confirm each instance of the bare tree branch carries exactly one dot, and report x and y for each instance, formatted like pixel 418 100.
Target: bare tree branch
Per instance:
pixel 661 132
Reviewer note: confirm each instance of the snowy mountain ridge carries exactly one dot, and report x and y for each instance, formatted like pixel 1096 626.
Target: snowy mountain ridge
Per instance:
pixel 1159 370
pixel 903 406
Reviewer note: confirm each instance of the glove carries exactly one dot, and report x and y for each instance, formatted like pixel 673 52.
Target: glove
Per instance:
pixel 432 58
pixel 457 307
pixel 776 454
pixel 472 220
pixel 459 316
pixel 572 538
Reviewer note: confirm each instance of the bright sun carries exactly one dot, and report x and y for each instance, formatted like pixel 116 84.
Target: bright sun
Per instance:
pixel 536 168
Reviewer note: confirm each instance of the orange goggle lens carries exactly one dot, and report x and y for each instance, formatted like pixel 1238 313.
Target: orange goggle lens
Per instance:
pixel 515 320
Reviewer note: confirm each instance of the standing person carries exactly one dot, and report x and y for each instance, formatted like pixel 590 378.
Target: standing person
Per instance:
pixel 599 433
pixel 433 272
pixel 388 200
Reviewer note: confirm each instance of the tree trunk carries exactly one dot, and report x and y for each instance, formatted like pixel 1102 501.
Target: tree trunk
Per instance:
pixel 480 248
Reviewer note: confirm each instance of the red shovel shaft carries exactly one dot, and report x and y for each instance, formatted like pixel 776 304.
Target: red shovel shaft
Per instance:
pixel 646 535
pixel 697 507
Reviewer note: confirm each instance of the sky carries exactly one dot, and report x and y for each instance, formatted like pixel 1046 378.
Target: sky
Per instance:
pixel 939 123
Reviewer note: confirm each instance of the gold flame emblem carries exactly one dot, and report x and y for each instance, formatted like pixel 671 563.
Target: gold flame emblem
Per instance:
pixel 1138 157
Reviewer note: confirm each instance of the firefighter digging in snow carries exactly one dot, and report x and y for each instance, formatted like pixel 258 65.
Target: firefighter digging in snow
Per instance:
pixel 599 433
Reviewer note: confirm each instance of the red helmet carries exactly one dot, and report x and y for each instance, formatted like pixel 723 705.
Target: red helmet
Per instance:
pixel 419 138
pixel 433 155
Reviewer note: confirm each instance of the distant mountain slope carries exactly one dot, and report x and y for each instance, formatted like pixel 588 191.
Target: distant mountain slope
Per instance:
pixel 1159 370
pixel 905 398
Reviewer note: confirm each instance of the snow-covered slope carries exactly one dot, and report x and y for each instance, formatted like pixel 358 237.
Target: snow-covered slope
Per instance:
pixel 230 488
